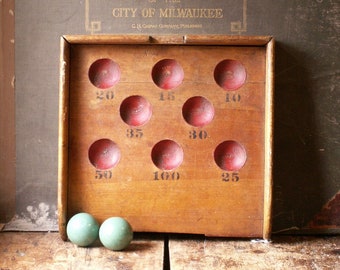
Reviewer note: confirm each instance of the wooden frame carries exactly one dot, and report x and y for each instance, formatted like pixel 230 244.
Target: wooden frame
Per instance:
pixel 7 112
pixel 154 221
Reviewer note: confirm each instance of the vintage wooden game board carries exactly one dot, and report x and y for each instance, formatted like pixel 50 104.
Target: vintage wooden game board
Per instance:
pixel 173 133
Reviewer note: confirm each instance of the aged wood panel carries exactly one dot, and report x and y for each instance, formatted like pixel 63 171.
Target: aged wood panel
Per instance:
pixel 199 199
pixel 282 253
pixel 7 112
pixel 47 251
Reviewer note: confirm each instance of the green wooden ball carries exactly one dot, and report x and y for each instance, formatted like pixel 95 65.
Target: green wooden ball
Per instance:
pixel 82 229
pixel 115 233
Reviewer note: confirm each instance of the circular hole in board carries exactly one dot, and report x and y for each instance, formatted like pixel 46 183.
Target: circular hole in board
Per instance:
pixel 230 156
pixel 104 154
pixel 135 111
pixel 167 155
pixel 230 74
pixel 198 111
pixel 167 74
pixel 104 73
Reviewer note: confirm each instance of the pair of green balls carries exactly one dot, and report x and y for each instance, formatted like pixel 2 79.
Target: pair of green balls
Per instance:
pixel 115 233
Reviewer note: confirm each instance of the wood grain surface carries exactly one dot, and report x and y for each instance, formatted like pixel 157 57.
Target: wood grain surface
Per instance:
pixel 284 252
pixel 45 251
pixel 197 197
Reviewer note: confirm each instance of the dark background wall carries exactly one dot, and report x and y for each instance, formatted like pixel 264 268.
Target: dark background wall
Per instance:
pixel 306 141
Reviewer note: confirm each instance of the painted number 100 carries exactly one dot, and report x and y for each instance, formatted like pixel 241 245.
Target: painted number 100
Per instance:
pixel 232 97
pixel 166 175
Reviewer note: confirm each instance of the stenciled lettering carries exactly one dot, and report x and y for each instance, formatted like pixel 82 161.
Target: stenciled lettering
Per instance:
pixel 200 13
pixel 124 12
pixel 184 13
pixel 148 12
pixel 165 175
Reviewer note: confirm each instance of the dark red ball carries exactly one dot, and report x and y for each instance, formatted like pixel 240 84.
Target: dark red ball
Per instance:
pixel 198 111
pixel 167 155
pixel 104 154
pixel 230 156
pixel 104 73
pixel 135 111
pixel 167 74
pixel 230 74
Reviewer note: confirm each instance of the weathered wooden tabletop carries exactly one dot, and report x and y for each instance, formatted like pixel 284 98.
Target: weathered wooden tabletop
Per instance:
pixel 45 250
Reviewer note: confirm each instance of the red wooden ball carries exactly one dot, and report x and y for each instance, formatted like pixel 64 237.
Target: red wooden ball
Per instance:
pixel 230 74
pixel 104 73
pixel 230 156
pixel 104 154
pixel 198 111
pixel 167 155
pixel 135 111
pixel 167 74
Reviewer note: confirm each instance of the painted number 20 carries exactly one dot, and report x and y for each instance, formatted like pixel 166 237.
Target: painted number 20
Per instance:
pixel 102 95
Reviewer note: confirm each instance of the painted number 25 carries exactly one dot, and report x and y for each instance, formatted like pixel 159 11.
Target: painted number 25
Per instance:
pixel 233 177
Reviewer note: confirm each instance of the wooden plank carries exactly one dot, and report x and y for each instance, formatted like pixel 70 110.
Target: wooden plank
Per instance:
pixel 7 112
pixel 48 251
pixel 283 253
pixel 63 136
pixel 268 141
pixel 169 39
pixel 206 199
pixel 227 40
